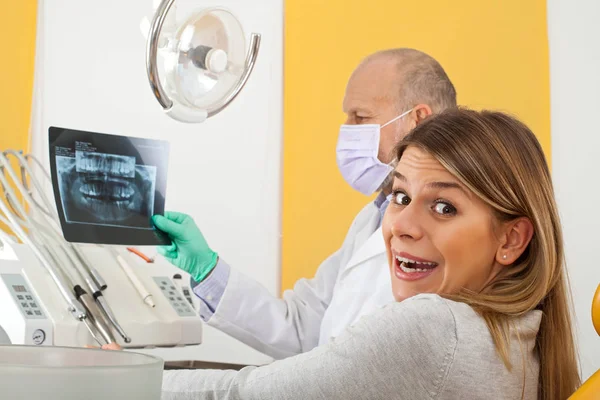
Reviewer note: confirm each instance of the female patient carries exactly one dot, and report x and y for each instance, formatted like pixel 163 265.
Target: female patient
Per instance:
pixel 476 260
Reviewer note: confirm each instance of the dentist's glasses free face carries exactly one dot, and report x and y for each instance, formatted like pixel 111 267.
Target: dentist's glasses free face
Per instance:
pixel 440 237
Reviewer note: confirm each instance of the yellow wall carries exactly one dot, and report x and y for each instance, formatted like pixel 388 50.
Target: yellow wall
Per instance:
pixel 495 52
pixel 17 30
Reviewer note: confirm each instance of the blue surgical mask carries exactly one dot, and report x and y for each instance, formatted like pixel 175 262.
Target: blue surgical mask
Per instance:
pixel 357 149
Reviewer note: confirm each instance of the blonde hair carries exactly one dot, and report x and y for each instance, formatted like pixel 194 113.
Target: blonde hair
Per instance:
pixel 500 160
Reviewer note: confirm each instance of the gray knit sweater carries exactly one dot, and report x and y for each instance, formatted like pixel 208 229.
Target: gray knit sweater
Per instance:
pixel 425 347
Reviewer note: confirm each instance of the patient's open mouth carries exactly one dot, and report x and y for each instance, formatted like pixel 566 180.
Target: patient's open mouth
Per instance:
pixel 408 267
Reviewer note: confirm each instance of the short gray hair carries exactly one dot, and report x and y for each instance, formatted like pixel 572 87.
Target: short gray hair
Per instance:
pixel 422 80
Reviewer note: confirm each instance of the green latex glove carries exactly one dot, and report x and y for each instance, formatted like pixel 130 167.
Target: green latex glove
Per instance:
pixel 189 250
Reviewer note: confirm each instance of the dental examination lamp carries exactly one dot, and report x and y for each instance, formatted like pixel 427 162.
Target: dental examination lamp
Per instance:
pixel 198 68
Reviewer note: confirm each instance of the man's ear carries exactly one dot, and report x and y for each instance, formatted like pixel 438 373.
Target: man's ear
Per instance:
pixel 419 114
pixel 515 238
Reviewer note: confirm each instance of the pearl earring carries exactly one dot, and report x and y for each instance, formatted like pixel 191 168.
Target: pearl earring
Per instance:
pixel 504 256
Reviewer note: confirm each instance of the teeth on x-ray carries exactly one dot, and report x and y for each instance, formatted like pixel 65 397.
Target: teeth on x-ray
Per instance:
pixel 102 163
pixel 105 188
pixel 113 192
pixel 113 211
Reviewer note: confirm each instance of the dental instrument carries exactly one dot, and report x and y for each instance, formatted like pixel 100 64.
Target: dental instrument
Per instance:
pixel 92 278
pixel 139 286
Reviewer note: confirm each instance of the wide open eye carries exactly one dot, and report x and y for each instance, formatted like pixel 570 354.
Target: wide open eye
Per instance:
pixel 444 208
pixel 400 198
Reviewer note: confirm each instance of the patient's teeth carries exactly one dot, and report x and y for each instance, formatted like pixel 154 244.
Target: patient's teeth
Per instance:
pixel 408 270
pixel 407 260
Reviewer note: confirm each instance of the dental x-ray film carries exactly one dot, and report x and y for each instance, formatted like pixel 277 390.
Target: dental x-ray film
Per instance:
pixel 107 187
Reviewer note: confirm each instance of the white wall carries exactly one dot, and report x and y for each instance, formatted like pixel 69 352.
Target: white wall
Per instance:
pixel 226 172
pixel 575 104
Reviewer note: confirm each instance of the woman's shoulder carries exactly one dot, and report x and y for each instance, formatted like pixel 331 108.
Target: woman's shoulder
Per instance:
pixel 442 338
pixel 426 313
pixel 430 309
pixel 439 309
pixel 426 319
pixel 434 309
pixel 456 325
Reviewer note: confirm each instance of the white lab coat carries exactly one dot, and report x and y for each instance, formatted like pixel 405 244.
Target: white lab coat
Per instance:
pixel 352 282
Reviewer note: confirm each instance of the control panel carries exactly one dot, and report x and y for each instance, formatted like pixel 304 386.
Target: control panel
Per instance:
pixel 179 304
pixel 23 296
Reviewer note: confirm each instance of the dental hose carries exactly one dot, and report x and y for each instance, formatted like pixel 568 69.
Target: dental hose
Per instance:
pixel 59 279
pixel 94 280
pixel 17 217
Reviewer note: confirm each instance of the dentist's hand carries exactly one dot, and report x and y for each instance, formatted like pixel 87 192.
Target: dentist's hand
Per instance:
pixel 189 250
